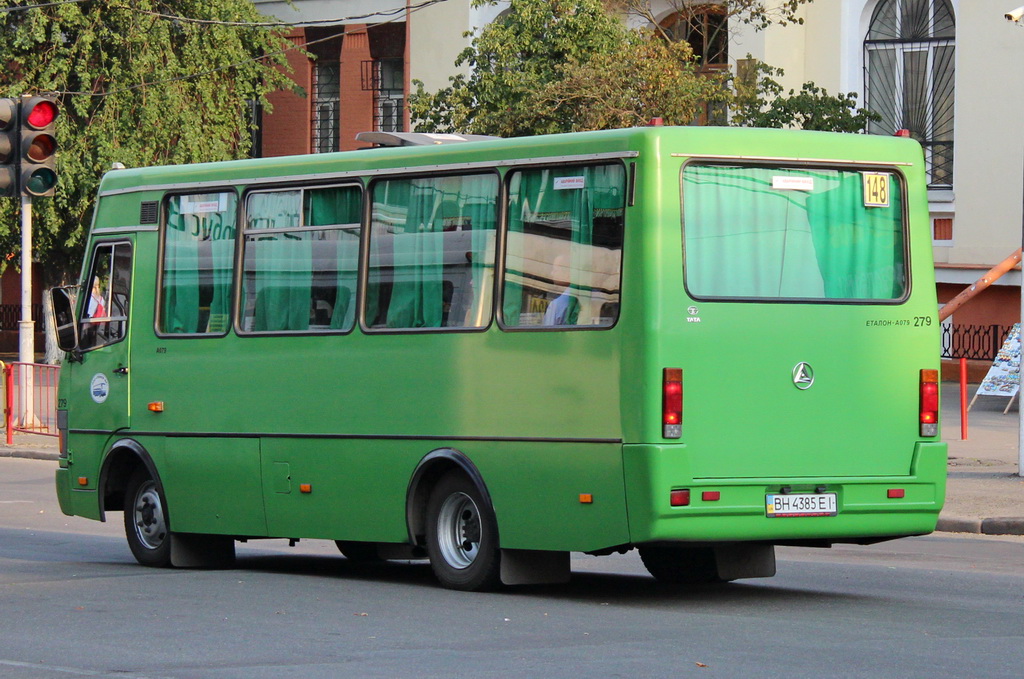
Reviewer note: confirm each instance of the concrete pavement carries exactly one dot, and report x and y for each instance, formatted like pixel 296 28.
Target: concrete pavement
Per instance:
pixel 984 493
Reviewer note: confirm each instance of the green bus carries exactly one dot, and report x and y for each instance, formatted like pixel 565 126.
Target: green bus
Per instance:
pixel 697 342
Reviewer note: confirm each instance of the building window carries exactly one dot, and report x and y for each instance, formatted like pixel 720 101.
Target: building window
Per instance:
pixel 386 79
pixel 909 64
pixel 326 105
pixel 942 231
pixel 705 28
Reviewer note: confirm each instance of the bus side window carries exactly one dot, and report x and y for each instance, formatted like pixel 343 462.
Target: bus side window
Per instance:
pixel 197 269
pixel 105 309
pixel 563 260
pixel 432 250
pixel 301 259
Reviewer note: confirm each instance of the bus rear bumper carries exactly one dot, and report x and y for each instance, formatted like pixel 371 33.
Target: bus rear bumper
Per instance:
pixel 729 510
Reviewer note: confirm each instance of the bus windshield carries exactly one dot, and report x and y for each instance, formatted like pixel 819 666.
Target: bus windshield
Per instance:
pixel 793 233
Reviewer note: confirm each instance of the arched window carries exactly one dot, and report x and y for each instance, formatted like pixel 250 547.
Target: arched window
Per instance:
pixel 705 27
pixel 909 64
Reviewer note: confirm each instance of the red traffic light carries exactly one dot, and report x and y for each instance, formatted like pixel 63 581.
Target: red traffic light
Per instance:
pixel 39 113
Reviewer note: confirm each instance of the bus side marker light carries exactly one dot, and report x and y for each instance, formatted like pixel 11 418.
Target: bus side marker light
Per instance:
pixel 305 488
pixel 896 493
pixel 711 495
pixel 929 410
pixel 156 406
pixel 586 499
pixel 679 498
pixel 83 480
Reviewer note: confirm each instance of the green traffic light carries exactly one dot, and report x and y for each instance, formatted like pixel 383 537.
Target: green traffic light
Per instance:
pixel 40 181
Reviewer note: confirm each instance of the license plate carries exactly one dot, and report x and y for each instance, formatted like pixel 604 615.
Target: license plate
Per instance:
pixel 800 504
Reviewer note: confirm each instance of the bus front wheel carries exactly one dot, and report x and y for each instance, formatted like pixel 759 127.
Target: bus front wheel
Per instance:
pixel 145 521
pixel 462 536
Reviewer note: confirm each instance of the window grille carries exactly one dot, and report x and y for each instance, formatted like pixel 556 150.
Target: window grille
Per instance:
pixel 909 77
pixel 326 105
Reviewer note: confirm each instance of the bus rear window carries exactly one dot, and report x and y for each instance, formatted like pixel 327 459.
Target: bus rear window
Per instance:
pixel 791 233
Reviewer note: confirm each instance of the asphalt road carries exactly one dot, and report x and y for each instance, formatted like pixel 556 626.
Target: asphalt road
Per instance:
pixel 73 603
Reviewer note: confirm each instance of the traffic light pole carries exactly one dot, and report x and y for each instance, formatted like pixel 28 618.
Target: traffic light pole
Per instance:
pixel 26 328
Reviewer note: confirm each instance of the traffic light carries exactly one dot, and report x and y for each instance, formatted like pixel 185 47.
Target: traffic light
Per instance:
pixel 8 147
pixel 38 146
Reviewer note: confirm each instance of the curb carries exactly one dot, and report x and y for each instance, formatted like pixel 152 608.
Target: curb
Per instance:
pixel 1006 525
pixel 29 453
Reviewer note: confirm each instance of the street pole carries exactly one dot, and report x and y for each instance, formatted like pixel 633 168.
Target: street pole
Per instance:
pixel 1020 408
pixel 26 328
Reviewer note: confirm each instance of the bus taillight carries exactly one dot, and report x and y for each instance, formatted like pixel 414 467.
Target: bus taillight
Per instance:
pixel 672 403
pixel 929 409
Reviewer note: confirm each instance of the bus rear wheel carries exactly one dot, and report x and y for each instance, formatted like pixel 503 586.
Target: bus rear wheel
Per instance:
pixel 674 565
pixel 145 521
pixel 462 536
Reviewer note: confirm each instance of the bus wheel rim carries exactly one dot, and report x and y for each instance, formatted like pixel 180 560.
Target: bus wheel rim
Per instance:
pixel 150 526
pixel 458 530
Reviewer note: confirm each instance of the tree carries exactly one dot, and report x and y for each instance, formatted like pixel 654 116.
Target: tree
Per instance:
pixel 639 80
pixel 560 66
pixel 140 83
pixel 759 102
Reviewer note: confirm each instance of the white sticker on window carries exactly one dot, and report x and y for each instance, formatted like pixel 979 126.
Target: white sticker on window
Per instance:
pixel 565 183
pixel 793 183
pixel 218 203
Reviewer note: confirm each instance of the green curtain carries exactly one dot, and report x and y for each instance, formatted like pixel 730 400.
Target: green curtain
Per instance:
pixel 859 249
pixel 335 206
pixel 283 262
pixel 418 252
pixel 283 282
pixel 197 264
pixel 746 239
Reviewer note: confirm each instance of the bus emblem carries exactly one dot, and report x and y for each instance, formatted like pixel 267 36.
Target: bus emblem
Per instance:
pixel 99 388
pixel 803 376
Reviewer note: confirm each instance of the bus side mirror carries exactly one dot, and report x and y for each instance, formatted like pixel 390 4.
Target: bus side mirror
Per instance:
pixel 62 305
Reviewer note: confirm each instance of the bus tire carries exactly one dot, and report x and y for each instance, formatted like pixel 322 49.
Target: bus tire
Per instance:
pixel 675 565
pixel 145 521
pixel 462 536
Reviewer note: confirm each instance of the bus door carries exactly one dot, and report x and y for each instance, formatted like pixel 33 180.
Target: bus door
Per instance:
pixel 104 344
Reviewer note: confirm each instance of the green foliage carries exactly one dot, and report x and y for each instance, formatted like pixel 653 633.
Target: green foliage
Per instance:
pixel 135 88
pixel 560 66
pixel 759 103
pixel 510 61
pixel 641 79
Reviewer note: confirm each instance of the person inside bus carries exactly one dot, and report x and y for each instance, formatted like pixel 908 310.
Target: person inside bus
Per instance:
pixel 97 306
pixel 565 308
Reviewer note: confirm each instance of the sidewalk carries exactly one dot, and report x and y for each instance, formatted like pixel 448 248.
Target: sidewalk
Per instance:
pixel 984 494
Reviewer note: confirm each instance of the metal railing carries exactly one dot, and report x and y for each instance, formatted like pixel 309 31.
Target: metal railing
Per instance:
pixel 973 341
pixel 10 314
pixel 30 400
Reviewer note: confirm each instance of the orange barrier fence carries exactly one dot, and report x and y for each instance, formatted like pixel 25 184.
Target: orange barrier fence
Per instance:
pixel 30 402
